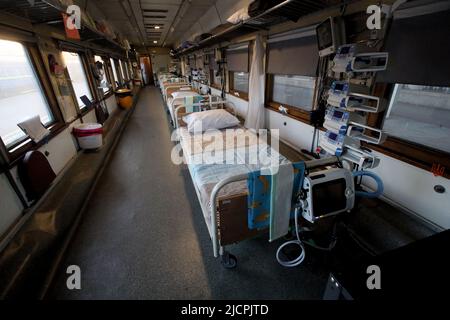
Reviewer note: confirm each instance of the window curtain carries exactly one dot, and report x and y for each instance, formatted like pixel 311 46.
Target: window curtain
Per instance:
pixel 212 61
pixel 199 61
pixel 237 58
pixel 256 112
pixel 191 62
pixel 419 46
pixel 293 53
pixel 183 66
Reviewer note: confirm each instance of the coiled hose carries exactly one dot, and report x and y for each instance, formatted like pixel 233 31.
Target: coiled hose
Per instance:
pixel 297 261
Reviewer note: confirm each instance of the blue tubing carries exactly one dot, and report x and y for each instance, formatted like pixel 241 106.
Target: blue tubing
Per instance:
pixel 380 186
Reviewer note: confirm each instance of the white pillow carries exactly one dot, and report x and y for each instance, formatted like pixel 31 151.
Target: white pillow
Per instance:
pixel 238 16
pixel 184 94
pixel 211 119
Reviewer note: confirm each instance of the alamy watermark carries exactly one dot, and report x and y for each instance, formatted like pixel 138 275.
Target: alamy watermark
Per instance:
pixel 74 17
pixel 73 281
pixel 373 22
pixel 374 280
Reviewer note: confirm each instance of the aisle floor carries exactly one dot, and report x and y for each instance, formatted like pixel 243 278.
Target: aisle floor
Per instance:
pixel 143 235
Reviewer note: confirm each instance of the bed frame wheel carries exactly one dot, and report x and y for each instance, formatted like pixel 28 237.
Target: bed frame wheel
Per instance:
pixel 228 260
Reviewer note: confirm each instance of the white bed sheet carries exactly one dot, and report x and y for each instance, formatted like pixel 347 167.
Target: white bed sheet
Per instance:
pixel 206 176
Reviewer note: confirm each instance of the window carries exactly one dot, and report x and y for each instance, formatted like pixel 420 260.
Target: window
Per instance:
pixel 295 91
pixel 77 76
pixel 420 114
pixel 21 94
pixel 122 70
pixel 215 78
pixel 104 84
pixel 239 82
pixel 127 71
pixel 114 69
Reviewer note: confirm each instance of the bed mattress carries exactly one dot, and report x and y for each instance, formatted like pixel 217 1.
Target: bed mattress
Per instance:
pixel 242 147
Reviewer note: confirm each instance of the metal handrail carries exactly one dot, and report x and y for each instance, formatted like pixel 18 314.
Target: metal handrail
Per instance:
pixel 179 84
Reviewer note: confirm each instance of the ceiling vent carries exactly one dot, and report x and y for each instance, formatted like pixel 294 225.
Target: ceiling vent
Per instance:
pixel 155 10
pixel 155 17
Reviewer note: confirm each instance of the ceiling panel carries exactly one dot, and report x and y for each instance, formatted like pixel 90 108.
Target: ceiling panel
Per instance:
pixel 136 19
pixel 159 13
pixel 177 20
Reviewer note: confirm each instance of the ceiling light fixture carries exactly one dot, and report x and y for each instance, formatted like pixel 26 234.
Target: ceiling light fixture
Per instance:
pixel 156 27
pixel 155 41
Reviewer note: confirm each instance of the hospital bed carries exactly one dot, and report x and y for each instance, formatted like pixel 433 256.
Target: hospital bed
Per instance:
pixel 223 189
pixel 189 98
pixel 168 87
pixel 168 79
pixel 164 76
pixel 174 96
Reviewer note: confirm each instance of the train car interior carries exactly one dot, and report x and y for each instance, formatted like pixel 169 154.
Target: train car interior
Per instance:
pixel 224 150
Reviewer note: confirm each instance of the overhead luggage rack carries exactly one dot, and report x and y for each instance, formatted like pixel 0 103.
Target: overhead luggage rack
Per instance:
pixel 284 11
pixel 40 12
pixel 49 12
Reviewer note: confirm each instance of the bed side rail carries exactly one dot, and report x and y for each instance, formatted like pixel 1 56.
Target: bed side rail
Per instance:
pixel 209 103
pixel 173 86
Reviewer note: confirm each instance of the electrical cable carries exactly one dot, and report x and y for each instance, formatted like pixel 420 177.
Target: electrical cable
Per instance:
pixel 315 246
pixel 297 261
pixel 332 244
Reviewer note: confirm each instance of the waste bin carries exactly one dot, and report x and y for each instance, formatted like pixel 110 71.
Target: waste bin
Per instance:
pixel 124 98
pixel 89 135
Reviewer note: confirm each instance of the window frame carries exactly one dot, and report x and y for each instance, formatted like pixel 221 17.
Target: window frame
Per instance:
pixel 292 111
pixel 15 151
pixel 418 155
pixel 243 95
pixel 89 77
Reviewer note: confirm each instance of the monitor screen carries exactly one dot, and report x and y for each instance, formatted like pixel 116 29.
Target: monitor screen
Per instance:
pixel 338 114
pixel 332 135
pixel 324 34
pixel 339 86
pixel 329 197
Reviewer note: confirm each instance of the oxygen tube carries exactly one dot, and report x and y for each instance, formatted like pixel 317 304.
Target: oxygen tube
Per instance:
pixel 380 186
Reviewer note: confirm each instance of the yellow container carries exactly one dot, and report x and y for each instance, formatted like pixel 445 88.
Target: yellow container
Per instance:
pixel 126 102
pixel 124 98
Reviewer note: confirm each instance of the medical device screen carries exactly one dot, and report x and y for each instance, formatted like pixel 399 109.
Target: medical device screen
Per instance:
pixel 324 35
pixel 329 197
pixel 337 114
